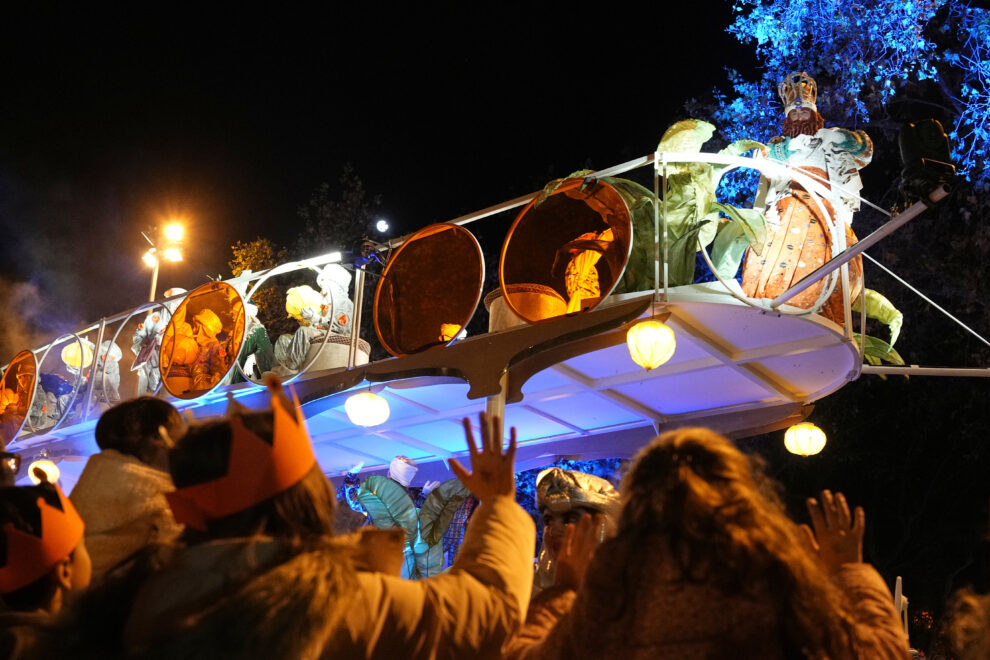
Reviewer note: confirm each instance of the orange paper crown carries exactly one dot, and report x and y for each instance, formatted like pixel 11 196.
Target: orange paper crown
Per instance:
pixel 28 556
pixel 257 470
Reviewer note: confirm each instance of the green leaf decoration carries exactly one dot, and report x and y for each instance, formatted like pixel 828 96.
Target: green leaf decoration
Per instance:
pixel 388 505
pixel 686 135
pixel 881 309
pixel 754 225
pixel 680 257
pixel 681 204
pixel 728 249
pixel 408 571
pixel 429 563
pixel 709 227
pixel 693 213
pixel 877 351
pixel 704 195
pixel 641 200
pixel 439 509
pixel 552 187
pixel 737 148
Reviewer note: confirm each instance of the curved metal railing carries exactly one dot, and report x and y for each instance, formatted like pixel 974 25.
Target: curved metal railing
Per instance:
pixel 251 283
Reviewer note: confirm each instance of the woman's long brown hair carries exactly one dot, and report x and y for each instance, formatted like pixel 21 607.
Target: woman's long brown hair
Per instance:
pixel 724 524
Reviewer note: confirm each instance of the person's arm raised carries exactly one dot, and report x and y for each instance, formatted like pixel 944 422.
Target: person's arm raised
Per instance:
pixel 492 471
pixel 581 539
pixel 837 542
pixel 838 535
pixel 472 609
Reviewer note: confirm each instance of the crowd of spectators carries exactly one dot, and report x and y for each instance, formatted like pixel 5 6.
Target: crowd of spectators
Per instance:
pixel 217 541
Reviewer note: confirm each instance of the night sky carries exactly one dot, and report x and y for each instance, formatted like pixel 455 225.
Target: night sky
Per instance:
pixel 112 123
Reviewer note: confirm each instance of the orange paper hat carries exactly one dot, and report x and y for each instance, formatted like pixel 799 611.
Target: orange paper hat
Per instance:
pixel 257 470
pixel 30 557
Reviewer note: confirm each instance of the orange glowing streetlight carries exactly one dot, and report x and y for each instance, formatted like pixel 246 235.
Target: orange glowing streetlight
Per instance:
pixel 170 251
pixel 173 232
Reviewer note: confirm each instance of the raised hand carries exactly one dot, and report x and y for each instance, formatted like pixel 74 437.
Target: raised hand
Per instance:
pixel 492 471
pixel 580 541
pixel 838 536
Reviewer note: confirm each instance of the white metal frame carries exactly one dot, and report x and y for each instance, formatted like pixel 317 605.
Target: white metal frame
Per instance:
pixel 659 160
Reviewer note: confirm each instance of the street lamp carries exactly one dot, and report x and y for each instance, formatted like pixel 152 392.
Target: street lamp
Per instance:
pixel 171 251
pixel 173 232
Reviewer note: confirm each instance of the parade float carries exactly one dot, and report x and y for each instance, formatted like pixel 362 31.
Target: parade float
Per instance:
pixel 596 278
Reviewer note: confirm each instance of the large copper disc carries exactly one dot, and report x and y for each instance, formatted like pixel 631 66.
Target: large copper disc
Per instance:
pixel 16 394
pixel 568 250
pixel 429 289
pixel 202 340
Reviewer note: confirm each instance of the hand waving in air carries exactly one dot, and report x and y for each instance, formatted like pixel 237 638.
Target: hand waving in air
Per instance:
pixel 581 539
pixel 492 470
pixel 838 536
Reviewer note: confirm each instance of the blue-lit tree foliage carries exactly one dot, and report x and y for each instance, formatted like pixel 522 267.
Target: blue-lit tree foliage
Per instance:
pixel 871 59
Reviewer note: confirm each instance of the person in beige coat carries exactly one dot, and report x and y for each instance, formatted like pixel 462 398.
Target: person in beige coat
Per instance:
pixel 121 491
pixel 258 574
pixel 707 565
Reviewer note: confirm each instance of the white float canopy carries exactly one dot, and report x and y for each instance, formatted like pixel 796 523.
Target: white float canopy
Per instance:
pixel 738 369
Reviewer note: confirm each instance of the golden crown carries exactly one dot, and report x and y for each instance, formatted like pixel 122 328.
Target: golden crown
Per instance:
pixel 257 469
pixel 798 90
pixel 28 557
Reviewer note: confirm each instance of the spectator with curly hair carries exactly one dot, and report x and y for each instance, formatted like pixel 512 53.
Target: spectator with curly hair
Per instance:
pixel 707 565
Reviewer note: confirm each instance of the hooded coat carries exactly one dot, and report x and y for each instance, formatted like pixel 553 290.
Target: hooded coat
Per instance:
pixel 265 598
pixel 122 501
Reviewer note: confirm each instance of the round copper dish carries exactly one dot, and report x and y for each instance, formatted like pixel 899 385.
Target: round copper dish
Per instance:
pixel 429 290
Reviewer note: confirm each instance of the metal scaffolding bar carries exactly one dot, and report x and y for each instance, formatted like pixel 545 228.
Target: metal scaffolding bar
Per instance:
pixel 915 370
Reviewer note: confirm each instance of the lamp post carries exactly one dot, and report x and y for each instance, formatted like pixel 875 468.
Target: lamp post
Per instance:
pixel 171 251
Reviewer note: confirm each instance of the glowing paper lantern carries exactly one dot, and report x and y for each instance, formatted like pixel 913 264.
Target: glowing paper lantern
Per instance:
pixel 804 439
pixel 651 343
pixel 366 409
pixel 47 468
pixel 71 355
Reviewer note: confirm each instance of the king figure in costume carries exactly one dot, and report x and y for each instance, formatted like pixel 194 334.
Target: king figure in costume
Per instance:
pixel 799 234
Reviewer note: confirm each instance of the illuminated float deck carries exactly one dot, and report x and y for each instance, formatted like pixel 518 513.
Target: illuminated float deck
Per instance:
pixel 567 383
